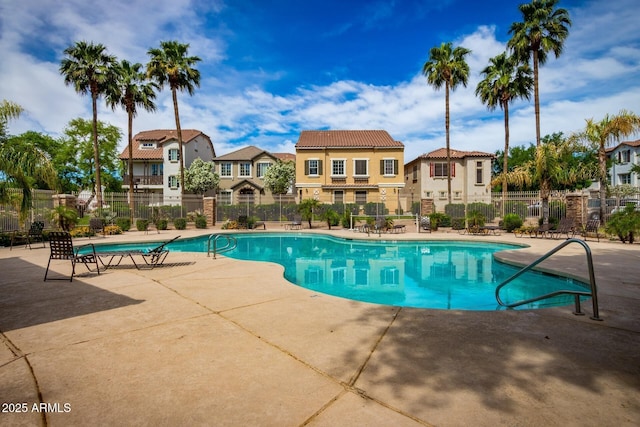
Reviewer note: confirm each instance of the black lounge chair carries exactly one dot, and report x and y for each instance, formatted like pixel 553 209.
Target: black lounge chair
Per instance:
pixel 296 224
pixel 62 249
pixel 96 226
pixel 566 227
pixel 592 226
pixel 151 257
pixel 34 234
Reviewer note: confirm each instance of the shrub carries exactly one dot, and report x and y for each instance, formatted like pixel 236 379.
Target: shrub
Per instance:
pixel 346 219
pixel 230 225
pixel 439 220
pixel 112 230
pixel 519 208
pixel 475 219
pixel 332 217
pixel 81 231
pixel 624 224
pixel 457 223
pixel 142 224
pixel 123 223
pixel 487 210
pixel 180 223
pixel 201 221
pixel 161 224
pixel 511 222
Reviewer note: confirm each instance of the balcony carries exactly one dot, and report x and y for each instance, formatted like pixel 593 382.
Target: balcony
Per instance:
pixel 143 180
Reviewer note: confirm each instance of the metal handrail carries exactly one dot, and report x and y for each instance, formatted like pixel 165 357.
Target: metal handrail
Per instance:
pixel 230 244
pixel 592 281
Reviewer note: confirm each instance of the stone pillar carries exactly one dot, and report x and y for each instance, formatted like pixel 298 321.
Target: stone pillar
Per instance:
pixel 577 208
pixel 426 207
pixel 209 208
pixel 68 200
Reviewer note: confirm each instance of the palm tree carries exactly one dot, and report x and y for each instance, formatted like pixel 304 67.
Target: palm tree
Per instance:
pixel 548 169
pixel 21 164
pixel 170 64
pixel 89 69
pixel 446 66
pixel 505 79
pixel 132 91
pixel 543 29
pixel 606 132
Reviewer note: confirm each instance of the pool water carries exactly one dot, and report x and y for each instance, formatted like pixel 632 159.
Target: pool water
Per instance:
pixel 422 274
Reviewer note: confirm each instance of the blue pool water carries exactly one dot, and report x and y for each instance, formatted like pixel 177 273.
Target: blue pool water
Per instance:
pixel 422 274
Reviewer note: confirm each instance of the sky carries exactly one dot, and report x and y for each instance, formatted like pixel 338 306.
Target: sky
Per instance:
pixel 272 68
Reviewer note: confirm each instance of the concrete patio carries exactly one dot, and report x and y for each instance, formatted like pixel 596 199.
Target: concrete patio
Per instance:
pixel 225 342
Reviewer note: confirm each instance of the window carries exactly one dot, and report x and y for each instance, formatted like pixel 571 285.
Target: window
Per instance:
pixel 361 197
pixel 389 276
pixel 225 170
pixel 225 197
pixel 313 167
pixel 360 166
pixel 442 194
pixel 625 178
pixel 262 169
pixel 439 169
pixel 245 170
pixel 338 196
pixel 389 167
pixel 337 168
pixel 415 173
pixel 479 173
pixel 624 156
pixel 457 194
pixel 156 169
pixel 147 145
pixel 173 182
pixel 174 154
pixel 313 276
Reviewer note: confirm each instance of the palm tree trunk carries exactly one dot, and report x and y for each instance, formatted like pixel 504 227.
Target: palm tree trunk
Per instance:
pixel 131 195
pixel 505 159
pixel 446 126
pixel 536 96
pixel 174 93
pixel 96 151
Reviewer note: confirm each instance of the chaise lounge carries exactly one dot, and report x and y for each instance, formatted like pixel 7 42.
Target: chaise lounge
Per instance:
pixel 151 257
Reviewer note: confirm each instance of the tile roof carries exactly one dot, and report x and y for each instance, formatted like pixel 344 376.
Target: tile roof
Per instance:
pixel 635 143
pixel 160 136
pixel 441 153
pixel 285 156
pixel 310 139
pixel 246 153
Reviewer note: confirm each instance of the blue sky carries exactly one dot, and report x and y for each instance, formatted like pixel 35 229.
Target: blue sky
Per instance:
pixel 273 68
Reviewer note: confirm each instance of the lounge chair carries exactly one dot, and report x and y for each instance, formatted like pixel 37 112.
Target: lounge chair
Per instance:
pixel 33 235
pixel 296 224
pixel 380 225
pixel 151 257
pixel 566 227
pixel 96 226
pixel 62 249
pixel 425 223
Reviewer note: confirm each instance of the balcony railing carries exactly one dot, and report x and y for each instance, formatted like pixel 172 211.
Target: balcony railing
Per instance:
pixel 143 180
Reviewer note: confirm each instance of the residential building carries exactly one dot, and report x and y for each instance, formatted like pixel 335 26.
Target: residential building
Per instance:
pixel 156 160
pixel 350 166
pixel 426 179
pixel 623 156
pixel 242 176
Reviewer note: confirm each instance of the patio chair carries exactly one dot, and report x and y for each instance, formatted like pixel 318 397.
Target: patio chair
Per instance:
pixel 62 248
pixel 243 221
pixel 34 234
pixel 296 224
pixel 425 223
pixel 380 226
pixel 592 226
pixel 151 257
pixel 96 225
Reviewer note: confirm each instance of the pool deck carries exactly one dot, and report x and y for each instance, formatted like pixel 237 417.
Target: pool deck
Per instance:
pixel 231 343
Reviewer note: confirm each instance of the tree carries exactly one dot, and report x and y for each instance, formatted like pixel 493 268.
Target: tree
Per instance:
pixel 606 132
pixel 75 160
pixel 543 29
pixel 132 91
pixel 200 177
pixel 306 208
pixel 446 67
pixel 549 170
pixel 21 165
pixel 90 70
pixel 279 178
pixel 170 64
pixel 505 79
pixel 33 142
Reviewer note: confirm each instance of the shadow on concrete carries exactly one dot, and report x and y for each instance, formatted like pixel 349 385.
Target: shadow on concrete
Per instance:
pixel 26 300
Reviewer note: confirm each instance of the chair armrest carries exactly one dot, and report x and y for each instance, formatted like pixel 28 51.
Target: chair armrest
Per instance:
pixel 81 247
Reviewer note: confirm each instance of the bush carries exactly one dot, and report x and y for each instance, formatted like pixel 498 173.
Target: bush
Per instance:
pixel 475 219
pixel 439 220
pixel 457 223
pixel 81 231
pixel 201 221
pixel 487 210
pixel 142 224
pixel 180 223
pixel 519 208
pixel 161 224
pixel 123 223
pixel 624 224
pixel 112 230
pixel 512 222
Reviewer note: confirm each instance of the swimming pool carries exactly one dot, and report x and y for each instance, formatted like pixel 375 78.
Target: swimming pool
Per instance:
pixel 422 274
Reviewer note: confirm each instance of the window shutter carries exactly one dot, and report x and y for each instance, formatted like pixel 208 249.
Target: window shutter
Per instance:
pixel 453 169
pixel 306 167
pixel 319 167
pixel 396 169
pixel 381 167
pixel 431 167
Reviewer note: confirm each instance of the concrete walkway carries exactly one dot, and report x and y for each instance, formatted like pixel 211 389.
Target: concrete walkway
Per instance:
pixel 231 343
